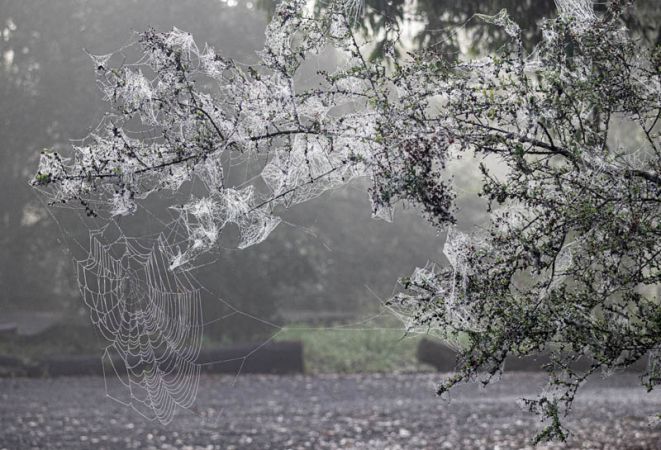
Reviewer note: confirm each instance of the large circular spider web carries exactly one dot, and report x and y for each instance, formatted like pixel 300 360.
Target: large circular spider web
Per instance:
pixel 152 320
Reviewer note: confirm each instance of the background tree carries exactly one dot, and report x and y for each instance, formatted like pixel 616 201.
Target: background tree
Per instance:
pixel 49 89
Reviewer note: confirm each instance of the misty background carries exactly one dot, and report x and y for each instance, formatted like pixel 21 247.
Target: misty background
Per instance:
pixel 329 262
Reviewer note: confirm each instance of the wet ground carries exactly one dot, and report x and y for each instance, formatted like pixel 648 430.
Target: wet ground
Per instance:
pixel 353 411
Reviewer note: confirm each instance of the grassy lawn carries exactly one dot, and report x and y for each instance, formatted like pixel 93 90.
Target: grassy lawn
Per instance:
pixel 337 349
pixel 343 350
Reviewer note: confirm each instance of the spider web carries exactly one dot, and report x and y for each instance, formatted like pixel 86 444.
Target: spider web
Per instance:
pixel 152 319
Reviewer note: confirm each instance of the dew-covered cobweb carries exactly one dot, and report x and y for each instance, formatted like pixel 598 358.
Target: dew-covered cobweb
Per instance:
pixel 151 318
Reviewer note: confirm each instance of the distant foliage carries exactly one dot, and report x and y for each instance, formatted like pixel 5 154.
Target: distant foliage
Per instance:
pixel 570 257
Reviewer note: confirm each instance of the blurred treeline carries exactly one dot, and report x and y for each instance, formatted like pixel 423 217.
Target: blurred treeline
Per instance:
pixel 330 261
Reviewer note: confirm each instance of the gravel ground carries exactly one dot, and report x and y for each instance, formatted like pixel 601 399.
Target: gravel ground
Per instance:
pixel 349 411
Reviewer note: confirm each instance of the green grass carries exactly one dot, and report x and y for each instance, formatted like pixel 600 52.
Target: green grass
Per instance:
pixel 343 350
pixel 377 348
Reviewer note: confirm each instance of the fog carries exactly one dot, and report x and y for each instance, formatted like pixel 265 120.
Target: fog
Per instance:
pixel 329 261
